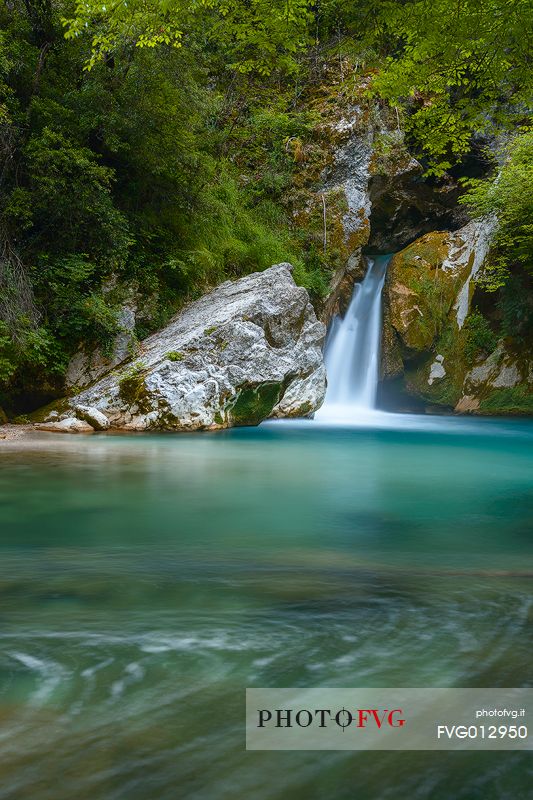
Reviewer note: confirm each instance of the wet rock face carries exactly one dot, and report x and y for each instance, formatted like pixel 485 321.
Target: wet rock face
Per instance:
pixel 375 199
pixel 405 207
pixel 351 171
pixel 422 285
pixel 249 350
pixel 426 336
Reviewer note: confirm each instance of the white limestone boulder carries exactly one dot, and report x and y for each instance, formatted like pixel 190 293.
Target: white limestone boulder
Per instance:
pixel 248 350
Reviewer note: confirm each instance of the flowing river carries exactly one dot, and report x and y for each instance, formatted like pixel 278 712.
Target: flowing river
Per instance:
pixel 147 580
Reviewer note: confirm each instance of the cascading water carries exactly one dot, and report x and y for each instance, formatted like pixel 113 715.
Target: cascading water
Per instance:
pixel 353 351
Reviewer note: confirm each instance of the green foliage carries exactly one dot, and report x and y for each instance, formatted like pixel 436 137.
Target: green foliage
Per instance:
pixel 480 338
pixel 255 35
pixel 389 150
pixel 508 196
pixel 239 234
pixel 75 307
pixel 174 355
pixel 515 304
pixel 7 356
pixel 145 174
pixel 153 151
pixel 70 193
pixel 460 68
pixel 312 273
pixel 33 351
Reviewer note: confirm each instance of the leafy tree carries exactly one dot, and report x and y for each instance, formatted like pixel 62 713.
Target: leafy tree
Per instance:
pixel 256 35
pixel 462 67
pixel 148 146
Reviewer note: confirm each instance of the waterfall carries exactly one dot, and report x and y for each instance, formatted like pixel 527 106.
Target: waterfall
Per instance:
pixel 353 350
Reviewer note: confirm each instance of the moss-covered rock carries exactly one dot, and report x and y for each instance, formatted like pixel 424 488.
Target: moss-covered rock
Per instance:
pixel 132 388
pixel 254 403
pixel 448 355
pixel 422 285
pixel 517 400
pixel 500 383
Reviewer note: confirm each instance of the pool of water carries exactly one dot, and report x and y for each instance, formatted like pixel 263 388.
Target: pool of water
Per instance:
pixel 147 580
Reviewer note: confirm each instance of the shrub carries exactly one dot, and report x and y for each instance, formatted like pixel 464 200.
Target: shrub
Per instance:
pixel 480 338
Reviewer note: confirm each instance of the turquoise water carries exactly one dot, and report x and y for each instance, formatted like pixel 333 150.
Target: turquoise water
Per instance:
pixel 147 580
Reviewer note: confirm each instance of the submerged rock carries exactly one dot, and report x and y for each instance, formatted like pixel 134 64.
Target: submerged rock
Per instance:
pixel 249 350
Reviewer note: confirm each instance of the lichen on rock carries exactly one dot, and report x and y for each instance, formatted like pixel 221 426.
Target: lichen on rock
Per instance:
pixel 437 370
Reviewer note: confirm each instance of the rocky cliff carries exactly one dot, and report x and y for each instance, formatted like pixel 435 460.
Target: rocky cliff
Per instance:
pixel 358 189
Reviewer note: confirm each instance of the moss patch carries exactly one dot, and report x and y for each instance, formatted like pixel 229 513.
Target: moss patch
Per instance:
pixel 431 249
pixel 41 414
pixel 420 293
pixel 445 391
pixel 254 404
pixel 174 355
pixel 513 400
pixel 390 155
pixel 132 388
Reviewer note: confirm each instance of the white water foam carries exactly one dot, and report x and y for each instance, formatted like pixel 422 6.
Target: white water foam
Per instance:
pixel 353 352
